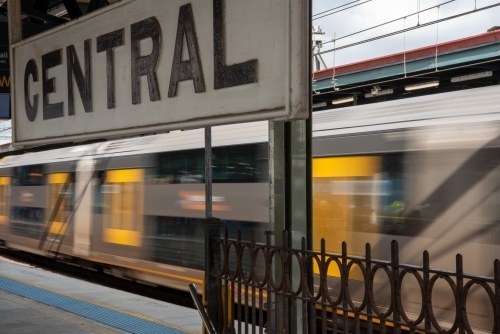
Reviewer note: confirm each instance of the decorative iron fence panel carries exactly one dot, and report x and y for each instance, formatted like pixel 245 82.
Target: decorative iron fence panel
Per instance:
pixel 269 289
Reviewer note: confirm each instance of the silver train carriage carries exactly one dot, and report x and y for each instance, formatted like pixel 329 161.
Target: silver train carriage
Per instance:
pixel 424 171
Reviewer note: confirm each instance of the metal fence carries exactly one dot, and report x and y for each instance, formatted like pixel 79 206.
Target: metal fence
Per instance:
pixel 260 288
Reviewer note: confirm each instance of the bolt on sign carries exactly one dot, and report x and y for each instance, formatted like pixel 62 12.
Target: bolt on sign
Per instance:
pixel 145 66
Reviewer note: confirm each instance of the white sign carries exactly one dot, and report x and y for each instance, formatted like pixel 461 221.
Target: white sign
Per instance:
pixel 143 66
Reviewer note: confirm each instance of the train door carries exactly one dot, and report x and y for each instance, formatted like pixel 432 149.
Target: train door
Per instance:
pixel 345 201
pixel 60 206
pixel 83 206
pixel 4 200
pixel 123 207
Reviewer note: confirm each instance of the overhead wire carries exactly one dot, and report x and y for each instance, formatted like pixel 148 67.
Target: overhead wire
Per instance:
pixel 341 10
pixel 409 29
pixel 329 10
pixel 392 21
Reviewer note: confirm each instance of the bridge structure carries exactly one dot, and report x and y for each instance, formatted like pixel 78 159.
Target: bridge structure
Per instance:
pixel 465 63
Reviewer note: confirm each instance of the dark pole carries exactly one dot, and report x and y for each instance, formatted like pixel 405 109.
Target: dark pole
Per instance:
pixel 208 172
pixel 212 291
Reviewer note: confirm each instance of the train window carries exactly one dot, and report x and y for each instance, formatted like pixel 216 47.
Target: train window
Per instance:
pixel 181 167
pixel 28 176
pixel 392 199
pixel 181 241
pixel 98 198
pixel 176 241
pixel 231 164
pixel 26 221
pixel 123 192
pixel 243 163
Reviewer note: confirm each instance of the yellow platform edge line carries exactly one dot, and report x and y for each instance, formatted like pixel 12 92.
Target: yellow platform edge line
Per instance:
pixel 109 307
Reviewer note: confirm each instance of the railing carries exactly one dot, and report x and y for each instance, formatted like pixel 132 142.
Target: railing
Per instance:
pixel 264 288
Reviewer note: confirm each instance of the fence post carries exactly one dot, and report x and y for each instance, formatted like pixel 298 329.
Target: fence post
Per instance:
pixel 271 325
pixel 368 287
pixel 427 293
pixel 344 282
pixel 394 288
pixel 213 287
pixel 460 303
pixel 497 295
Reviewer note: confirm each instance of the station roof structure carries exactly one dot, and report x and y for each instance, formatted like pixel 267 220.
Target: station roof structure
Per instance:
pixel 54 12
pixel 459 64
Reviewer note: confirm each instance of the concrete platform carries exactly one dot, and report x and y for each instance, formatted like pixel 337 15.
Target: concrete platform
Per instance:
pixel 36 301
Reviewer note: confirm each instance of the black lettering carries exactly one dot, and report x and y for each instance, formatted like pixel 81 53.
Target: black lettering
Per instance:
pixel 145 65
pixel 191 69
pixel 50 60
pixel 232 75
pixel 107 43
pixel 83 83
pixel 31 109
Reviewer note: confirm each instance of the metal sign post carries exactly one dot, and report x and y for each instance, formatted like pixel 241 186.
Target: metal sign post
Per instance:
pixel 290 207
pixel 290 204
pixel 208 172
pixel 212 286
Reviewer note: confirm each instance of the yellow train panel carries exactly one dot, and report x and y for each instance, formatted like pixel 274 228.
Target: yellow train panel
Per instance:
pixel 122 237
pixel 124 176
pixel 4 200
pixel 346 166
pixel 58 228
pixel 59 178
pixel 4 181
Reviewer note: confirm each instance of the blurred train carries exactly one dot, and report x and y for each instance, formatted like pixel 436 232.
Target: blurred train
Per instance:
pixel 424 171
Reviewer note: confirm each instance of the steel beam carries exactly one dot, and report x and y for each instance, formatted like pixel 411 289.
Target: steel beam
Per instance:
pixel 298 201
pixel 38 6
pixel 41 5
pixel 14 22
pixel 73 9
pixel 32 13
pixel 277 175
pixel 95 4
pixel 277 179
pixel 43 16
pixel 290 202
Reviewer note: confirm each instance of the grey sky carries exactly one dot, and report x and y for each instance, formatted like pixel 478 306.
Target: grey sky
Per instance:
pixel 376 12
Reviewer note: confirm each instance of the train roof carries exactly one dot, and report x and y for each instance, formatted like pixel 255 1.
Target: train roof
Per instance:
pixel 174 141
pixel 468 106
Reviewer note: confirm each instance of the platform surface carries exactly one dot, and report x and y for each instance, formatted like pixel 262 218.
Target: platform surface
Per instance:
pixel 33 300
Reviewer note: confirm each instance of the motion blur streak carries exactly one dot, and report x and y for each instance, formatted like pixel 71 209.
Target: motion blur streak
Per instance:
pixel 424 171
